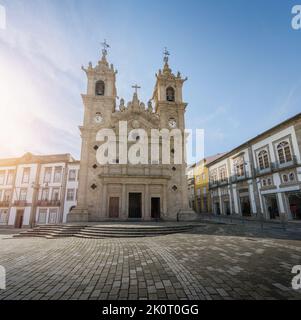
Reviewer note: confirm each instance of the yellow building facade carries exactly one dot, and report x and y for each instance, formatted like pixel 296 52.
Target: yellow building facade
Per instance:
pixel 202 198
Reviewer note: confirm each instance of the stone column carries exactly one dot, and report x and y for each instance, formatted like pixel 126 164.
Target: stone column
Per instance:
pixel 123 202
pixel 165 198
pixel 105 214
pixel 146 215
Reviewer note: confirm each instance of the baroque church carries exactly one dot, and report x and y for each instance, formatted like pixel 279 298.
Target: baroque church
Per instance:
pixel 125 191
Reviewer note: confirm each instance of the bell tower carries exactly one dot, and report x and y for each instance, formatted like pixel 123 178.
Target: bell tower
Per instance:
pixel 99 105
pixel 168 97
pixel 170 107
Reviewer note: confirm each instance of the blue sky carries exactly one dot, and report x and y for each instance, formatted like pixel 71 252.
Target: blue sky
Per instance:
pixel 242 59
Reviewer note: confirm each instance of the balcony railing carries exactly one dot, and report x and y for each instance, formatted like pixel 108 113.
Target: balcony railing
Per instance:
pixel 4 204
pixel 20 203
pixel 275 166
pixel 236 178
pixel 49 203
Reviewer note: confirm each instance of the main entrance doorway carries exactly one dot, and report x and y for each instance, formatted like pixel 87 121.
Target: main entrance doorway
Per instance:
pixel 155 208
pixel 135 205
pixel 294 200
pixel 272 206
pixel 114 207
pixel 19 219
pixel 245 206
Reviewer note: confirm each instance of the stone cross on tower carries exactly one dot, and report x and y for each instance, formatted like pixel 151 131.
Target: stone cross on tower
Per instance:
pixel 166 55
pixel 105 47
pixel 136 87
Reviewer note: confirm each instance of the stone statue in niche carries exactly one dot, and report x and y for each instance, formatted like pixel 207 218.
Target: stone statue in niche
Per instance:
pixel 149 106
pixel 142 106
pixel 121 106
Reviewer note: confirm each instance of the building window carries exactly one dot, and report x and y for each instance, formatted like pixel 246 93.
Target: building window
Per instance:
pixel 52 216
pixel 100 88
pixel 70 195
pixel 214 177
pixel 170 94
pixel 270 181
pixel 7 195
pixel 263 160
pixel 42 218
pixel 45 194
pixel 2 177
pixel 285 178
pixel 292 177
pixel 72 175
pixel 3 216
pixel 23 194
pixel 284 152
pixel 55 194
pixel 26 174
pixel 239 167
pixel 10 177
pixel 47 174
pixel 223 174
pixel 57 174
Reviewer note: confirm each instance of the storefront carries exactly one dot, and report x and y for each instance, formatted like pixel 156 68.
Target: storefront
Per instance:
pixel 294 202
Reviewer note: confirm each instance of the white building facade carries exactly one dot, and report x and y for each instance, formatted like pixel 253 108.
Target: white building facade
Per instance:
pixel 262 177
pixel 37 189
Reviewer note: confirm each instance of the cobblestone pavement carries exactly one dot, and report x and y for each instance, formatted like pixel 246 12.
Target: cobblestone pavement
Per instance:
pixel 213 262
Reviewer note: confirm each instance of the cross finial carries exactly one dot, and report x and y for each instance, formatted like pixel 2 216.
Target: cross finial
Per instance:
pixel 105 47
pixel 166 55
pixel 136 87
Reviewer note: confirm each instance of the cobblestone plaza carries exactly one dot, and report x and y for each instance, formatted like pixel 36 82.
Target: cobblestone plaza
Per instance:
pixel 214 261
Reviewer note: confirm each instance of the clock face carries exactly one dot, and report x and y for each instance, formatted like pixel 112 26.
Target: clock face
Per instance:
pixel 98 118
pixel 172 123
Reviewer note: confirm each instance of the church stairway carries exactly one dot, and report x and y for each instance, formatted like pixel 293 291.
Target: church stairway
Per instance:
pixel 99 231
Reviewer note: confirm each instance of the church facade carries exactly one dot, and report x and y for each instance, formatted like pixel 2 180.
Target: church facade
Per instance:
pixel 125 191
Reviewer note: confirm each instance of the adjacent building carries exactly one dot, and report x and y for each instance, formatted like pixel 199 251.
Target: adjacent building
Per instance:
pixel 198 185
pixel 261 177
pixel 37 189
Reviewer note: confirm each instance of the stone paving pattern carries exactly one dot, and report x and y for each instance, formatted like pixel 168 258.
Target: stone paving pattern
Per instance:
pixel 212 262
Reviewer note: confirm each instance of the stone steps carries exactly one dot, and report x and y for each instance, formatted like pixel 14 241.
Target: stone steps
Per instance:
pixel 51 231
pixel 127 233
pixel 104 231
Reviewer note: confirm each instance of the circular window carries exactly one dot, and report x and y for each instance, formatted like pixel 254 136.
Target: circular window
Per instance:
pixel 174 188
pixel 174 169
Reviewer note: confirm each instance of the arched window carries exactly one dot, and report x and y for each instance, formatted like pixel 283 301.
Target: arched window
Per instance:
pixel 170 94
pixel 239 167
pixel 284 152
pixel 100 88
pixel 263 160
